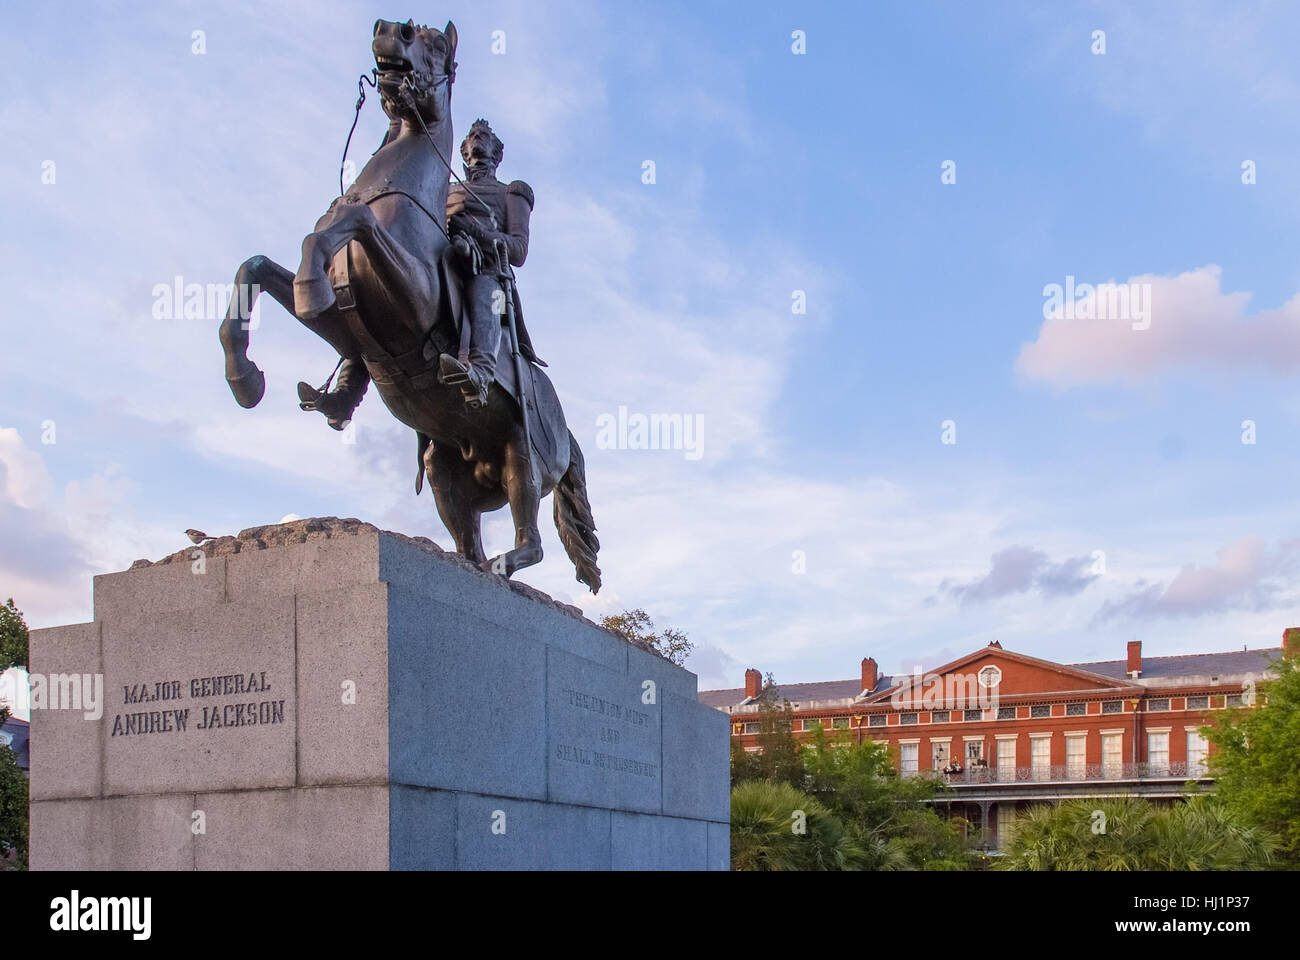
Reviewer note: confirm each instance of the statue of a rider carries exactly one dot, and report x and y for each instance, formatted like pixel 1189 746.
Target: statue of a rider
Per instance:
pixel 480 212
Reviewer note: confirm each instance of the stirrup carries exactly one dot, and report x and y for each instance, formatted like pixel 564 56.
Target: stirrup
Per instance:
pixel 452 372
pixel 309 398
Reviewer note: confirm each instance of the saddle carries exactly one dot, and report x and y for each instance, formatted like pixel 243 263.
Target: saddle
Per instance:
pixel 416 370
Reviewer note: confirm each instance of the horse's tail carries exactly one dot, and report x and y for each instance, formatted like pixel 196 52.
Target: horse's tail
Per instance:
pixel 574 520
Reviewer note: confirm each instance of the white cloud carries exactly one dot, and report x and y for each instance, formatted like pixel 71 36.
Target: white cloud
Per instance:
pixel 27 484
pixel 1018 570
pixel 1194 326
pixel 1246 575
pixel 52 543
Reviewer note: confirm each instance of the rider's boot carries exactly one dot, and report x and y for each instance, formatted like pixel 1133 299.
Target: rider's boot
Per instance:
pixel 472 380
pixel 337 404
pixel 484 339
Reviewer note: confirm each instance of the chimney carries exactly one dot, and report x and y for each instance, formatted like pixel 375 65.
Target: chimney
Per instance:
pixel 1134 659
pixel 753 683
pixel 869 671
pixel 1291 642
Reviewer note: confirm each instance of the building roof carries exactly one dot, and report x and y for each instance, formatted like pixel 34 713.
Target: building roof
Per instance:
pixel 801 693
pixel 1157 671
pixel 1189 666
pixel 20 744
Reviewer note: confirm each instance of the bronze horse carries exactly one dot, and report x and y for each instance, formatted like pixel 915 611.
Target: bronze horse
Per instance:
pixel 374 283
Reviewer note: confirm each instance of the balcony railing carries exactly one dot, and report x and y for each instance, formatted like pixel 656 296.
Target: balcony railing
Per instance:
pixel 1055 773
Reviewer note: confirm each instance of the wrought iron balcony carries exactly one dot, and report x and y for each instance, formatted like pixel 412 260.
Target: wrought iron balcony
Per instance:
pixel 1056 773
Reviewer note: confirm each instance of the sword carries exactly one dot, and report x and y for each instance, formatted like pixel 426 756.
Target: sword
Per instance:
pixel 507 276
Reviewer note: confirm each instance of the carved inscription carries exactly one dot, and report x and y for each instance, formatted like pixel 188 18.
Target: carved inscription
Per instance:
pixel 617 722
pixel 172 705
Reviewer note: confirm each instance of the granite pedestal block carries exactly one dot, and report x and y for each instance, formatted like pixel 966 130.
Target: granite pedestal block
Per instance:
pixel 326 695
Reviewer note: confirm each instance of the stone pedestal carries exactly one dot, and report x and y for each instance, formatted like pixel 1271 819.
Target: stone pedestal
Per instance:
pixel 325 695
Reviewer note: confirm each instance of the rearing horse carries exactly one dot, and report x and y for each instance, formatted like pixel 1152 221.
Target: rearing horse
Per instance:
pixel 373 281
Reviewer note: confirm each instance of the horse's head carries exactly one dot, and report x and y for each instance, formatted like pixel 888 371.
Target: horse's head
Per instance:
pixel 416 67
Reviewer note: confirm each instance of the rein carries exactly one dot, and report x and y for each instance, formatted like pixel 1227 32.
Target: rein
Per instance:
pixel 438 150
pixel 361 99
pixel 408 84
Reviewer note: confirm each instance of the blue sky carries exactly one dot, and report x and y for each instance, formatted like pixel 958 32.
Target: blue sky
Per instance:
pixel 775 172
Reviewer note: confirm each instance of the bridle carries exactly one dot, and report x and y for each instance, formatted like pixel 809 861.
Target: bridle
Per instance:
pixel 408 90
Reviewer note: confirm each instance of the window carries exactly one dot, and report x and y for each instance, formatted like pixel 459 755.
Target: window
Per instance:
pixel 840 723
pixel 1039 711
pixel 1158 753
pixel 938 754
pixel 813 723
pixel 989 677
pixel 1076 709
pixel 1157 706
pixel 1234 700
pixel 1040 757
pixel 1006 760
pixel 1112 706
pixel 1198 703
pixel 939 716
pixel 1006 713
pixel 1112 754
pixel 907 718
pixel 974 750
pixel 1075 755
pixel 876 720
pixel 1196 751
pixel 751 728
pixel 1006 824
pixel 909 755
pixel 971 715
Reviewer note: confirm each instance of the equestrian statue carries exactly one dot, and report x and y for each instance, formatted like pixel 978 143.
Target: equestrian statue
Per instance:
pixel 411 280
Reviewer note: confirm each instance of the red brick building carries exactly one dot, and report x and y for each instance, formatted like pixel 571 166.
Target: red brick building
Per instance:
pixel 1007 730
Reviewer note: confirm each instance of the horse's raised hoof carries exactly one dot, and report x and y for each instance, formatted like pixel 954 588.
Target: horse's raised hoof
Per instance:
pixel 312 296
pixel 248 387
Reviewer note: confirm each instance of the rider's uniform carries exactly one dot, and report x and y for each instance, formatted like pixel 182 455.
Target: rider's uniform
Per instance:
pixel 498 211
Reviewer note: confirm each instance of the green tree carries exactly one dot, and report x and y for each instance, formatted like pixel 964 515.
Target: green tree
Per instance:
pixel 638 629
pixel 1257 764
pixel 888 821
pixel 921 839
pixel 776 827
pixel 1072 836
pixel 13 810
pixel 1203 834
pixel 14 638
pixel 1128 833
pixel 892 818
pixel 13 782
pixel 779 757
